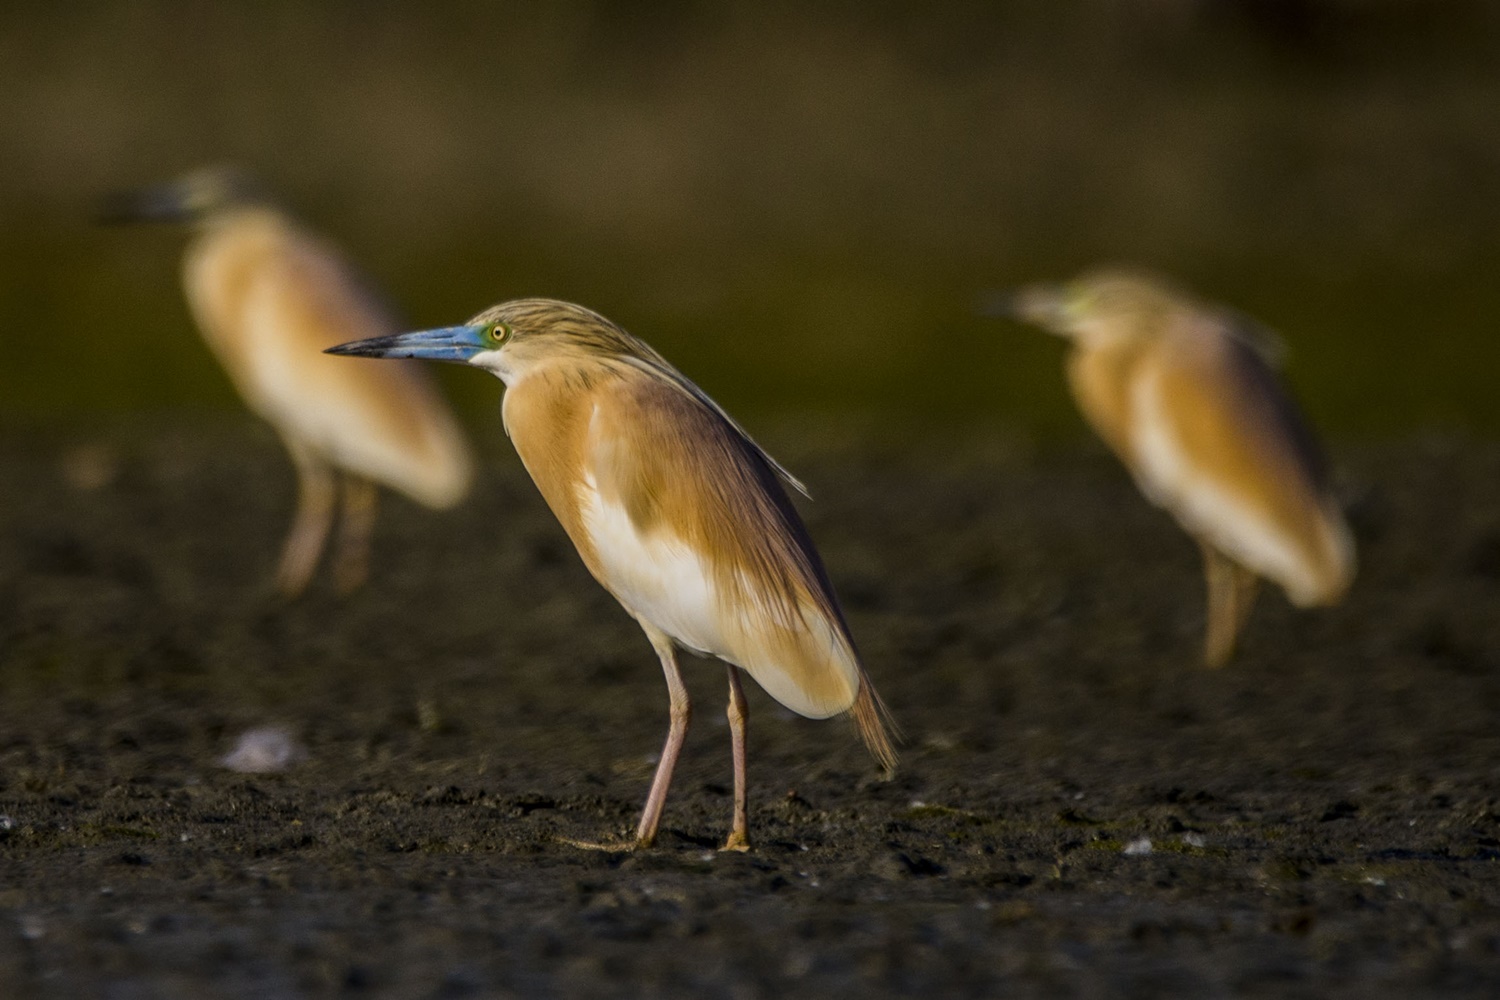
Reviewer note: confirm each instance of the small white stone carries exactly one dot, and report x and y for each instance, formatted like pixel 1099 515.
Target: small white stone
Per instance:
pixel 6 823
pixel 263 751
pixel 1137 848
pixel 1193 839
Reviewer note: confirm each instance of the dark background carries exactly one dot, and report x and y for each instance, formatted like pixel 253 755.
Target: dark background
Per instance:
pixel 799 204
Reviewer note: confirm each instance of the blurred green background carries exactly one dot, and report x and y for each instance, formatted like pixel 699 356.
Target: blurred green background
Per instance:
pixel 798 203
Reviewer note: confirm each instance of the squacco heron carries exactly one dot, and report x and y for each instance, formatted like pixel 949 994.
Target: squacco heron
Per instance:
pixel 1186 394
pixel 674 509
pixel 268 297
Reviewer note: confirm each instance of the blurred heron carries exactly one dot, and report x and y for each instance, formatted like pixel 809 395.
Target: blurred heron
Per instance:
pixel 674 509
pixel 268 297
pixel 1186 394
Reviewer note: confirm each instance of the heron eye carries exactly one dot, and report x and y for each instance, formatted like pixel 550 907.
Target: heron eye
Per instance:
pixel 499 334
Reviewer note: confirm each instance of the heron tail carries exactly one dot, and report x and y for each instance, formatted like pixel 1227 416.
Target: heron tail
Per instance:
pixel 877 727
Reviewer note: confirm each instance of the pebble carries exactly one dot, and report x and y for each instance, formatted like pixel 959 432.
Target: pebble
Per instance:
pixel 263 751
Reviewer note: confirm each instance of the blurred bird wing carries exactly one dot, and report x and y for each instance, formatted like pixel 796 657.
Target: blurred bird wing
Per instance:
pixel 1101 380
pixel 271 298
pixel 1219 443
pixel 1264 341
pixel 692 532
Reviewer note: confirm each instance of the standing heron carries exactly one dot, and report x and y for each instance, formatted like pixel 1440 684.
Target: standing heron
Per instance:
pixel 269 297
pixel 1186 395
pixel 674 509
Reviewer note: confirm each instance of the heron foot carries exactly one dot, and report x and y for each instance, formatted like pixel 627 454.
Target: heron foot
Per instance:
pixel 737 842
pixel 617 846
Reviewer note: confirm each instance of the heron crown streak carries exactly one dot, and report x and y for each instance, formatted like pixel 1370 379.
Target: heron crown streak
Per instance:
pixel 564 337
pixel 1132 307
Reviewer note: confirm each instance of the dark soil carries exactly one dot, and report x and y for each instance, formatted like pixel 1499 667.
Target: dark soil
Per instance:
pixel 1323 816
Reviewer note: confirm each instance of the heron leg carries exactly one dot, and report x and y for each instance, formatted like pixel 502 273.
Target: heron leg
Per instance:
pixel 1231 595
pixel 351 566
pixel 739 715
pixel 1246 589
pixel 681 713
pixel 310 525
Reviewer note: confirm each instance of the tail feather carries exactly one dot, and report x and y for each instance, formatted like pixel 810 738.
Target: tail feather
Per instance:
pixel 876 726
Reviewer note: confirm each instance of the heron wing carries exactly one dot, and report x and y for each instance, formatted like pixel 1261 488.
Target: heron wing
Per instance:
pixel 693 532
pixel 1219 443
pixel 658 368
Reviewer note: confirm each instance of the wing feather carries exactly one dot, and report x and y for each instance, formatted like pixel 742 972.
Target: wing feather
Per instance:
pixel 660 369
pixel 689 482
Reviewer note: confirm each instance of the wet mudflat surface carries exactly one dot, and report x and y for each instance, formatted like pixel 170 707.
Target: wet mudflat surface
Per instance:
pixel 1080 810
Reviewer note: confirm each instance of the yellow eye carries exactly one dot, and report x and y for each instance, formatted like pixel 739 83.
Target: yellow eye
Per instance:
pixel 498 334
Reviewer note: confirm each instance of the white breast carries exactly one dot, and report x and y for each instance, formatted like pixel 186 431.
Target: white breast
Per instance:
pixel 657 578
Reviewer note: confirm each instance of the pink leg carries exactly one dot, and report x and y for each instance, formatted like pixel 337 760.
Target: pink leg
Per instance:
pixel 739 715
pixel 681 713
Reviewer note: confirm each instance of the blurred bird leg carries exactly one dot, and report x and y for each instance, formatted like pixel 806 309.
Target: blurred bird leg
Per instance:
pixel 739 715
pixel 1218 642
pixel 351 565
pixel 1247 588
pixel 310 526
pixel 1231 597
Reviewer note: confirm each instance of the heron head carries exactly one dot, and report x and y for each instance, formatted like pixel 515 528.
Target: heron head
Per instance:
pixel 509 339
pixel 1101 306
pixel 194 197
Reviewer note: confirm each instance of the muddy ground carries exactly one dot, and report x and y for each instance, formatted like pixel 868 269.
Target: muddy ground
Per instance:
pixel 1323 817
